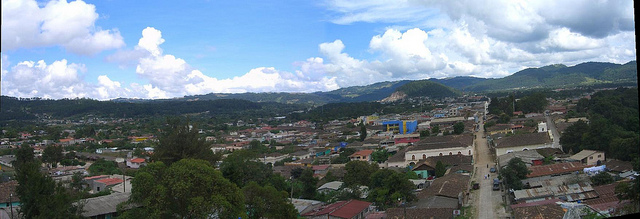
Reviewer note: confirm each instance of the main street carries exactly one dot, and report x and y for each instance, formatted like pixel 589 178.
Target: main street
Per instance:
pixel 486 202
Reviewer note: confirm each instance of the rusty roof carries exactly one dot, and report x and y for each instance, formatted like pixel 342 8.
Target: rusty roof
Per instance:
pixel 558 168
pixel 420 213
pixel 547 211
pixel 6 189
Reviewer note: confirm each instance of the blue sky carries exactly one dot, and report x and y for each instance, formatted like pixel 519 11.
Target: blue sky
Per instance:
pixel 164 49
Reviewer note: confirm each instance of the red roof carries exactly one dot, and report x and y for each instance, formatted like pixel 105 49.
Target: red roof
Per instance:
pixel 320 167
pixel 351 209
pixel 110 181
pixel 137 160
pixel 341 209
pixel 95 177
pixel 361 153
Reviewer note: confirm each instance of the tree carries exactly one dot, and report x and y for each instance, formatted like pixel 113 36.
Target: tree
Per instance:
pixel 267 202
pixel 104 167
pixel 514 172
pixel 358 172
pixel 240 168
pixel 189 188
pixel 571 139
pixel 435 130
pixel 363 132
pixel 344 156
pixel 440 169
pixel 309 184
pixel 52 155
pixel 458 128
pixel 181 140
pixel 602 178
pixel 380 155
pixel 387 186
pixel 425 133
pixel 40 196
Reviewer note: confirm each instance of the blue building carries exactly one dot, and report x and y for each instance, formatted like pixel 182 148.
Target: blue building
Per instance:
pixel 401 126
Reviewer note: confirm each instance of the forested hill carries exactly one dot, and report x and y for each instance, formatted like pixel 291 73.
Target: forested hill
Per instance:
pixel 558 76
pixel 12 108
pixel 368 93
pixel 428 88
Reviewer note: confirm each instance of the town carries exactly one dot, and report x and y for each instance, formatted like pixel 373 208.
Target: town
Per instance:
pixel 472 156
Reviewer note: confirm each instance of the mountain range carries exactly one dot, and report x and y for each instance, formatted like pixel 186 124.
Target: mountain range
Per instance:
pixel 552 76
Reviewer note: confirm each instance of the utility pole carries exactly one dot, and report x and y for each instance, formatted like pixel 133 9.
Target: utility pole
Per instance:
pixel 11 204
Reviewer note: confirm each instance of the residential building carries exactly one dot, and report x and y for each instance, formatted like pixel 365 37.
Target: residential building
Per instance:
pixel 589 157
pixel 8 195
pixel 136 163
pixel 330 187
pixel 362 155
pixel 350 209
pixel 103 206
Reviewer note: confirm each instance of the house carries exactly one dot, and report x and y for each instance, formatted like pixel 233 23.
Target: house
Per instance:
pixel 320 169
pixel 406 139
pixel 354 209
pixel 556 169
pixel 420 213
pixel 522 142
pixel 136 163
pixel 427 167
pixel 589 157
pixel 607 199
pixel 8 195
pixel 362 155
pixel 101 182
pixel 528 157
pixel 305 205
pixel 451 185
pixel 272 158
pixel 570 192
pixel 330 187
pixel 103 206
pixel 551 210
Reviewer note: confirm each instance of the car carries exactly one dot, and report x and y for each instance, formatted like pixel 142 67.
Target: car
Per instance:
pixel 496 184
pixel 493 170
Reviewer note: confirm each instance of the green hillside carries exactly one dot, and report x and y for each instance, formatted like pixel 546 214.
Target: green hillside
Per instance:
pixel 557 76
pixel 460 82
pixel 428 88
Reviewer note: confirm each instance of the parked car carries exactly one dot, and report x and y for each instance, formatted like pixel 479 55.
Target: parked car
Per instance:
pixel 496 184
pixel 493 170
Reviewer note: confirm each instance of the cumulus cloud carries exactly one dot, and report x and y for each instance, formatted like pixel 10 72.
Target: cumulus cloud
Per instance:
pixel 171 76
pixel 491 38
pixel 70 25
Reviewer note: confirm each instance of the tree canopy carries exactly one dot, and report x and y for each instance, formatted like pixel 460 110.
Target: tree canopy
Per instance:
pixel 358 172
pixel 267 202
pixel 515 171
pixel 188 188
pixel 180 139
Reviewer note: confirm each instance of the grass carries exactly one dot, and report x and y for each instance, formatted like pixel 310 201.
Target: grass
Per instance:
pixel 466 213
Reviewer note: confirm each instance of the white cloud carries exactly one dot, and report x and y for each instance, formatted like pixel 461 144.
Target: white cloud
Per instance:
pixel 67 24
pixel 489 38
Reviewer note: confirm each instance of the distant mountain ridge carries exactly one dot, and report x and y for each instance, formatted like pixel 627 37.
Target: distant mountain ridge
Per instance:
pixel 559 76
pixel 551 76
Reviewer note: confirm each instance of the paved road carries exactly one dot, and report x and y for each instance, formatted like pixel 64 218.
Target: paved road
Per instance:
pixel 554 131
pixel 486 202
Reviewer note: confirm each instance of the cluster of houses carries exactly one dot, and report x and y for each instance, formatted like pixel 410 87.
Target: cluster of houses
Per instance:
pixel 551 190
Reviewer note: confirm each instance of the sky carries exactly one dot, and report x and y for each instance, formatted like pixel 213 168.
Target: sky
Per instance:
pixel 107 49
